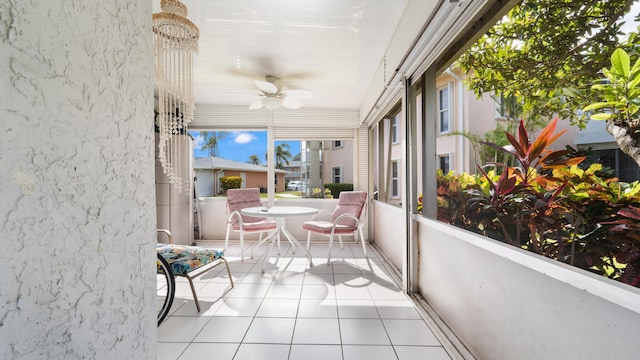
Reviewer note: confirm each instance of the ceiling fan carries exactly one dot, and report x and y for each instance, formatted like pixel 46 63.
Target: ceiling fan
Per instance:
pixel 274 97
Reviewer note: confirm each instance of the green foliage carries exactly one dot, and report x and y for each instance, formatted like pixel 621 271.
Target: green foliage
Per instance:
pixel 282 155
pixel 509 108
pixel 546 54
pixel 486 153
pixel 497 136
pixel 547 204
pixel 211 141
pixel 620 92
pixel 254 160
pixel 337 188
pixel 627 232
pixel 604 172
pixel 230 182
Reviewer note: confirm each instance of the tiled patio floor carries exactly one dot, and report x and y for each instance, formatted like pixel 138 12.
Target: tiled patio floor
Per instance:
pixel 350 310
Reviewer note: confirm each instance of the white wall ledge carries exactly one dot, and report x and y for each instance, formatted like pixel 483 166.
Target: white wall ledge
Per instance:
pixel 613 291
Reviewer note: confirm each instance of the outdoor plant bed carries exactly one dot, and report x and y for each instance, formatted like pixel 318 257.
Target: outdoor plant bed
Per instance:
pixel 548 205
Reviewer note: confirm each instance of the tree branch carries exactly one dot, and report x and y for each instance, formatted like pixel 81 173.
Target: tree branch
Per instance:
pixel 628 144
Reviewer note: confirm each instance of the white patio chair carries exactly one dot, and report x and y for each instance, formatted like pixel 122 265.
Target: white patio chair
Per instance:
pixel 238 199
pixel 344 220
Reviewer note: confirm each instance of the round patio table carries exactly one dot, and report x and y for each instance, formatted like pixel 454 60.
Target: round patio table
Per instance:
pixel 280 213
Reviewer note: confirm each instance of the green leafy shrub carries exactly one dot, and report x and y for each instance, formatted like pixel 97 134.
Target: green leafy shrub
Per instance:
pixel 230 182
pixel 337 188
pixel 548 205
pixel 621 93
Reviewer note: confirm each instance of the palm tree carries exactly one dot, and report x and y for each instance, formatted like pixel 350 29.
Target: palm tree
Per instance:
pixel 282 155
pixel 211 140
pixel 254 159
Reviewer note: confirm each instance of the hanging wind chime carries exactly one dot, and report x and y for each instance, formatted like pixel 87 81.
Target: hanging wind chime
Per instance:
pixel 175 43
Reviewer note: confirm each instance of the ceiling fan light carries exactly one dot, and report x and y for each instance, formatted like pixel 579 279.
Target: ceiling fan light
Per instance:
pixel 271 102
pixel 291 103
pixel 256 105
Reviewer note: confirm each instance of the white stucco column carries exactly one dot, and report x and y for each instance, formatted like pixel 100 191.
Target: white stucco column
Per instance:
pixel 77 208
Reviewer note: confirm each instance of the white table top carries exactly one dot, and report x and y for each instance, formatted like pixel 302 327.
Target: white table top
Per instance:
pixel 278 211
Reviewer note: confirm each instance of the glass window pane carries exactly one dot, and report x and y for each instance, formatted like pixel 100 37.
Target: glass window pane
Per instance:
pixel 394 179
pixel 443 108
pixel 387 155
pixel 444 98
pixel 394 129
pixel 337 175
pixel 628 170
pixel 444 163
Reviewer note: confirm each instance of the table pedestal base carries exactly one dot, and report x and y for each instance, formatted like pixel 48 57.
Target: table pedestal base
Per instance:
pixel 275 237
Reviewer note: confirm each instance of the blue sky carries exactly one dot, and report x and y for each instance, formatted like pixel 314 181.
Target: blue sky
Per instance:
pixel 239 145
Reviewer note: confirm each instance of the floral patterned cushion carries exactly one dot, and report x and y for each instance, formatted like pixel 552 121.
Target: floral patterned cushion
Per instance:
pixel 184 259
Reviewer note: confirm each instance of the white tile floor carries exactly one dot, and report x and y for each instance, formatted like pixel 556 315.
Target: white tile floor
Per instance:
pixel 349 310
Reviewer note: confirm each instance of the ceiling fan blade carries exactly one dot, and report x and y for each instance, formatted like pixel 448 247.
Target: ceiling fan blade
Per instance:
pixel 267 87
pixel 243 94
pixel 291 103
pixel 256 105
pixel 298 94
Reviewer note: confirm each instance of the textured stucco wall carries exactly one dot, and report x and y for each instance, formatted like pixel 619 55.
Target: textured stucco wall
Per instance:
pixel 77 211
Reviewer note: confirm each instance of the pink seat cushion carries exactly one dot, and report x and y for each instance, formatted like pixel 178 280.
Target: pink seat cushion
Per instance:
pixel 324 227
pixel 262 225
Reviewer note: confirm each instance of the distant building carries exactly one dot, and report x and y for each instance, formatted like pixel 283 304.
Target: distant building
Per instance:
pixel 461 111
pixel 337 161
pixel 294 171
pixel 209 170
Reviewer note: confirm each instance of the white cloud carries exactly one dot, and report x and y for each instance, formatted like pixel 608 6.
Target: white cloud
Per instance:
pixel 630 25
pixel 244 138
pixel 198 141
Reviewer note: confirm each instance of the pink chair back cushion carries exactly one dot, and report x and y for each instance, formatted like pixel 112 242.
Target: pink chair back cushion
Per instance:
pixel 238 199
pixel 350 202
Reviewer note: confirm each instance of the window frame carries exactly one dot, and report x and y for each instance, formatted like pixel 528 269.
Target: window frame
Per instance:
pixel 442 110
pixel 395 179
pixel 394 129
pixel 340 174
pixel 449 157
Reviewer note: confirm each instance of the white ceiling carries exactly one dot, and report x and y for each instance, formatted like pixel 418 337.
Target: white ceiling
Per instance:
pixel 329 47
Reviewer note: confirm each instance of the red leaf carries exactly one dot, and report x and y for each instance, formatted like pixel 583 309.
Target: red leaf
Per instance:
pixel 506 183
pixel 522 135
pixel 521 149
pixel 630 212
pixel 537 148
pixel 564 162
